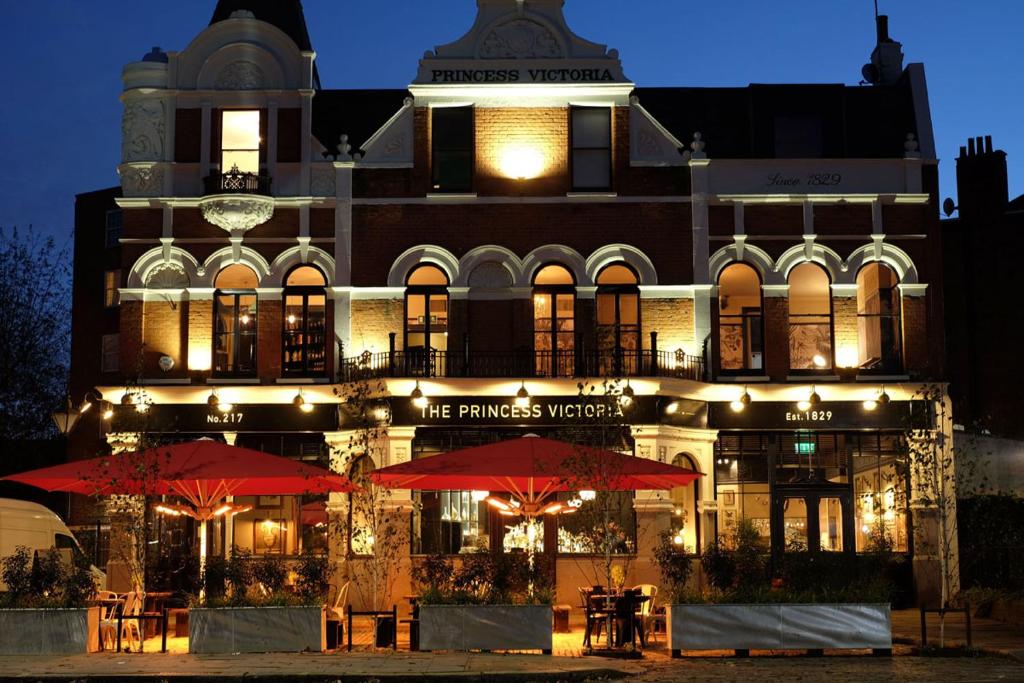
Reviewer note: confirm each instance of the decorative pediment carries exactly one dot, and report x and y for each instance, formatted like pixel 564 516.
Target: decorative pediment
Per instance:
pixel 167 276
pixel 392 145
pixel 650 143
pixel 520 42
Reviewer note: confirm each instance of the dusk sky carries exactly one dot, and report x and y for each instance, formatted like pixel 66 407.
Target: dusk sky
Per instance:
pixel 62 60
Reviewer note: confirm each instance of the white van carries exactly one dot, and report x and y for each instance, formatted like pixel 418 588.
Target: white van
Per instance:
pixel 37 528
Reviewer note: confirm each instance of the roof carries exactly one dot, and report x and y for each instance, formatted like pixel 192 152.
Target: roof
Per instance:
pixel 286 15
pixel 857 122
pixel 356 113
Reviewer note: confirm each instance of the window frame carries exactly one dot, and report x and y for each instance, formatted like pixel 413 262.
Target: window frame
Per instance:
pixel 113 228
pixel 305 292
pixel 632 365
pixel 112 295
pixel 258 149
pixel 554 367
pixel 435 167
pixel 114 339
pixel 236 294
pixel 831 367
pixel 895 318
pixel 429 360
pixel 763 370
pixel 573 149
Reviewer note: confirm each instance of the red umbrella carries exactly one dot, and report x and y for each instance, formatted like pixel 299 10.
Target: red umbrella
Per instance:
pixel 203 472
pixel 314 514
pixel 531 469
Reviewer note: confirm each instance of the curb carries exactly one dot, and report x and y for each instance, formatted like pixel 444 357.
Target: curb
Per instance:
pixel 502 677
pixel 1016 655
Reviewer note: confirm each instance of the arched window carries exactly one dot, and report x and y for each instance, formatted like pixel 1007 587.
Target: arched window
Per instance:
pixel 685 515
pixel 234 333
pixel 810 318
pixel 618 320
pixel 554 321
pixel 740 324
pixel 426 320
pixel 879 331
pixel 305 323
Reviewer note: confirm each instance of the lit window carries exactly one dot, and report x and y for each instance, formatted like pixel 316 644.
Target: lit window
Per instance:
pixel 426 321
pixel 452 158
pixel 810 318
pixel 111 282
pixel 879 332
pixel 234 350
pixel 740 326
pixel 618 321
pixel 591 148
pixel 554 322
pixel 240 142
pixel 111 353
pixel 305 322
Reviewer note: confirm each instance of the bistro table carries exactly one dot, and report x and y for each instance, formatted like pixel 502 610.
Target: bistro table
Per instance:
pixel 619 609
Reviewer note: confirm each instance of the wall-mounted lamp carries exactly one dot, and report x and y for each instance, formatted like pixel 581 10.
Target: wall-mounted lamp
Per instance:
pixel 882 399
pixel 740 404
pixel 418 398
pixel 522 162
pixel 523 397
pixel 810 402
pixel 300 402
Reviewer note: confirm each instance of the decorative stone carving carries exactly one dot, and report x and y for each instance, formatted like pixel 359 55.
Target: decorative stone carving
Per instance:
pixel 167 276
pixel 240 75
pixel 142 129
pixel 237 214
pixel 322 184
pixel 142 181
pixel 520 39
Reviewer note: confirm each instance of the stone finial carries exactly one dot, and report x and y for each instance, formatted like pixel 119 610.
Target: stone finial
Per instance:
pixel 911 147
pixel 698 146
pixel 344 149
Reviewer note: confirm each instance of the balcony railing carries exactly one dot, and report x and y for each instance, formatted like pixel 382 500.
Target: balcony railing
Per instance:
pixel 517 364
pixel 236 182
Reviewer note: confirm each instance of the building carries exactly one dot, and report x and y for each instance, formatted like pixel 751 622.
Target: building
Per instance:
pixel 759 267
pixel 979 246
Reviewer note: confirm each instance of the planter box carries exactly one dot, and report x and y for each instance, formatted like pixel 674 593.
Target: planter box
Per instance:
pixel 779 627
pixel 485 627
pixel 49 631
pixel 257 629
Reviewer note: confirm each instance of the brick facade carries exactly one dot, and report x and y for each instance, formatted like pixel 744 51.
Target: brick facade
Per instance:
pixel 915 336
pixel 163 335
pixel 672 319
pixel 776 338
pixel 372 321
pixel 844 325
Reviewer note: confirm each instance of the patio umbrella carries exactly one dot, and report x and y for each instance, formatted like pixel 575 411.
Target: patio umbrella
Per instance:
pixel 205 473
pixel 531 470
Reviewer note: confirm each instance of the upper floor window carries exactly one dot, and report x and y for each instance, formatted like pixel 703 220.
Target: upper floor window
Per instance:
pixel 426 319
pixel 110 353
pixel 452 155
pixel 554 321
pixel 810 318
pixel 740 323
pixel 240 141
pixel 591 148
pixel 879 330
pixel 618 320
pixel 305 323
pixel 234 333
pixel 111 283
pixel 112 228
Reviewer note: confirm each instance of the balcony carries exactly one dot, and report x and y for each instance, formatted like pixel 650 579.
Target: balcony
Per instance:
pixel 236 182
pixel 620 363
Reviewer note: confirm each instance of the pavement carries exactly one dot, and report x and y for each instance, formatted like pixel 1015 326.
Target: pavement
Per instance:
pixel 998 657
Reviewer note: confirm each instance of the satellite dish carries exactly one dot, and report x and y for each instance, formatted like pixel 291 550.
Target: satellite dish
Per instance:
pixel 870 73
pixel 948 207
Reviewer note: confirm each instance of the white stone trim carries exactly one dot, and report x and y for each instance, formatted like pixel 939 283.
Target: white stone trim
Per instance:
pixel 667 291
pixel 555 253
pixel 222 258
pixel 488 253
pixel 753 256
pixel 774 291
pixel 887 253
pixel 290 258
pixel 622 253
pixel 421 255
pixel 822 255
pixel 392 144
pixel 914 290
pixel 159 256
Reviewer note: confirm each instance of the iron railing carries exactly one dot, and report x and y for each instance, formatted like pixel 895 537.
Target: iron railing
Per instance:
pixel 523 363
pixel 236 182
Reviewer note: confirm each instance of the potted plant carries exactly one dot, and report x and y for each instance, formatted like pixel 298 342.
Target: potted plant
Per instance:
pixel 818 600
pixel 45 609
pixel 246 608
pixel 490 601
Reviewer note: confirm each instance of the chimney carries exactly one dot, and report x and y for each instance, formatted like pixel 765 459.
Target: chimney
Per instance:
pixel 887 57
pixel 981 182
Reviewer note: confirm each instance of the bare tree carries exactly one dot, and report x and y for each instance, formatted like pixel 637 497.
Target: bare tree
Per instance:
pixel 34 333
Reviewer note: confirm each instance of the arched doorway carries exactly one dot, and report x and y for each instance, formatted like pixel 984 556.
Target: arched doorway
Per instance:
pixel 685 513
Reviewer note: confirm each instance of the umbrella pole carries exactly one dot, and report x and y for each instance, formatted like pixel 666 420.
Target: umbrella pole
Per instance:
pixel 202 556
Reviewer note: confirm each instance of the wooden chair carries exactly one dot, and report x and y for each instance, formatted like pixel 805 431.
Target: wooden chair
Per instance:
pixel 594 619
